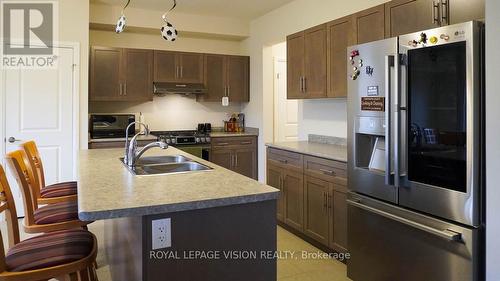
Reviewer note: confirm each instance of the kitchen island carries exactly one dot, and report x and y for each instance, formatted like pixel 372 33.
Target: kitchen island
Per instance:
pixel 222 224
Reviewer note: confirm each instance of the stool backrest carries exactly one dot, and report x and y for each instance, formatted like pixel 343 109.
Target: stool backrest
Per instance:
pixel 35 161
pixel 16 161
pixel 8 207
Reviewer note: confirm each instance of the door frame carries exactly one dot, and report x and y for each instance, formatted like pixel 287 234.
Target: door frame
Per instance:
pixel 75 46
pixel 276 125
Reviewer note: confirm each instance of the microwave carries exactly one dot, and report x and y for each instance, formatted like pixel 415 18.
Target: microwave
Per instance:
pixel 103 126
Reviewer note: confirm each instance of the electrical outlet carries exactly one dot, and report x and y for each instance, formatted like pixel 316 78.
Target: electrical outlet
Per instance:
pixel 162 234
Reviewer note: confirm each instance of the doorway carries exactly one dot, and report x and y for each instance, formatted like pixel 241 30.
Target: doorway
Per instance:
pixel 285 111
pixel 42 105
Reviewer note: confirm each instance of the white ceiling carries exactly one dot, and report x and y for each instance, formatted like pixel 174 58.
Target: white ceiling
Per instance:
pixel 243 9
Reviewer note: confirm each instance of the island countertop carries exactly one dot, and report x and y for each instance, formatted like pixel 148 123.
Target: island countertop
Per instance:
pixel 107 189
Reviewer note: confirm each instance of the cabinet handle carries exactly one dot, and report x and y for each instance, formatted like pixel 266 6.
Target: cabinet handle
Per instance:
pixel 330 201
pixel 125 89
pixel 435 12
pixel 182 72
pixel 121 90
pixel 236 160
pixel 283 161
pixel 325 199
pixel 444 12
pixel 228 90
pixel 305 84
pixel 176 72
pixel 246 142
pixel 222 143
pixel 328 172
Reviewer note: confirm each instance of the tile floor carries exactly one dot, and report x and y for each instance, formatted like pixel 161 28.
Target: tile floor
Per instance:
pixel 290 269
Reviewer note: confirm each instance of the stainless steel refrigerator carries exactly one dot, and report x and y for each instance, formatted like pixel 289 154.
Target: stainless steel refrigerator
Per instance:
pixel 415 207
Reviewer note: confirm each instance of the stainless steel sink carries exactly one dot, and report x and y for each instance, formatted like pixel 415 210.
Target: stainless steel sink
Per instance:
pixel 154 160
pixel 163 165
pixel 173 168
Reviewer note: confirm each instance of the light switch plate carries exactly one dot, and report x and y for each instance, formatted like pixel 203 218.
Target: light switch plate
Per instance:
pixel 161 234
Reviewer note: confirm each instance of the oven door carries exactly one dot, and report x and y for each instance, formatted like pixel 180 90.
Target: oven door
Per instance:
pixel 439 115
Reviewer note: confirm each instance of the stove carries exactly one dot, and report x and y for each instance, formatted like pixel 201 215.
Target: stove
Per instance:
pixel 183 138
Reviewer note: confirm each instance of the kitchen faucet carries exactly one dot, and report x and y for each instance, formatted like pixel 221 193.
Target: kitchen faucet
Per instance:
pixel 131 153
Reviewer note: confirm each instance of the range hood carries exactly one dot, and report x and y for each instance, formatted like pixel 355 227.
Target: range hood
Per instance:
pixel 162 88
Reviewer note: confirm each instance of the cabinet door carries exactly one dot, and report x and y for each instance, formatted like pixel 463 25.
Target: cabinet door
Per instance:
pixel 294 199
pixel 338 240
pixel 315 62
pixel 407 16
pixel 138 75
pixel 190 68
pixel 245 160
pixel 465 10
pixel 166 66
pixel 105 74
pixel 274 179
pixel 370 25
pixel 215 78
pixel 222 157
pixel 340 35
pixel 237 73
pixel 316 224
pixel 295 65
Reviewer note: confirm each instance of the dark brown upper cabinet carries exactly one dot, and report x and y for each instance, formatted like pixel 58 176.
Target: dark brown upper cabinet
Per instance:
pixel 226 76
pixel 340 35
pixel 178 67
pixel 307 64
pixel 466 10
pixel 295 65
pixel 238 78
pixel 121 74
pixel 407 16
pixel 369 25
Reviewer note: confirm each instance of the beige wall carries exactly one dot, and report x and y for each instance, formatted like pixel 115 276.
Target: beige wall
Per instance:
pixel 492 141
pixel 326 117
pixel 155 41
pixel 105 14
pixel 74 27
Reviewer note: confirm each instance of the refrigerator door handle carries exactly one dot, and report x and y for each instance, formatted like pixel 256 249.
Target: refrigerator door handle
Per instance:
pixel 397 120
pixel 389 62
pixel 446 234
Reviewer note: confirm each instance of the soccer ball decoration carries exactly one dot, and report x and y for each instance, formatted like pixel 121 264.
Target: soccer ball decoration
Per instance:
pixel 120 25
pixel 168 32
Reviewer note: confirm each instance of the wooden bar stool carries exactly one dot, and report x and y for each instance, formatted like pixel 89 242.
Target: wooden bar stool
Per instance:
pixel 46 194
pixel 63 253
pixel 48 218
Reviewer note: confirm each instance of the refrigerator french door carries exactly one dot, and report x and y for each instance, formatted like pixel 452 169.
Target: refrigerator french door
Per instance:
pixel 414 137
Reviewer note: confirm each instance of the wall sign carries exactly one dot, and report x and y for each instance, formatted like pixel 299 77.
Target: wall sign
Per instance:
pixel 373 104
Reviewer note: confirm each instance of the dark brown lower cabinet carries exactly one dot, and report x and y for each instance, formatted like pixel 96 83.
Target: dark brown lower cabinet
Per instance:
pixel 238 154
pixel 293 185
pixel 317 209
pixel 313 197
pixel 274 179
pixel 338 229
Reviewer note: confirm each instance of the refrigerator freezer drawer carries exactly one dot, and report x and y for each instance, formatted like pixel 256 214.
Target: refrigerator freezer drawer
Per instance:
pixel 390 243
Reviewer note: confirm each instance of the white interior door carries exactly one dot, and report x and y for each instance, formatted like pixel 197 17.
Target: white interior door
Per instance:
pixel 285 111
pixel 39 106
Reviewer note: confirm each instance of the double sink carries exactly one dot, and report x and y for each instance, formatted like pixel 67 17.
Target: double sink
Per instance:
pixel 164 165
